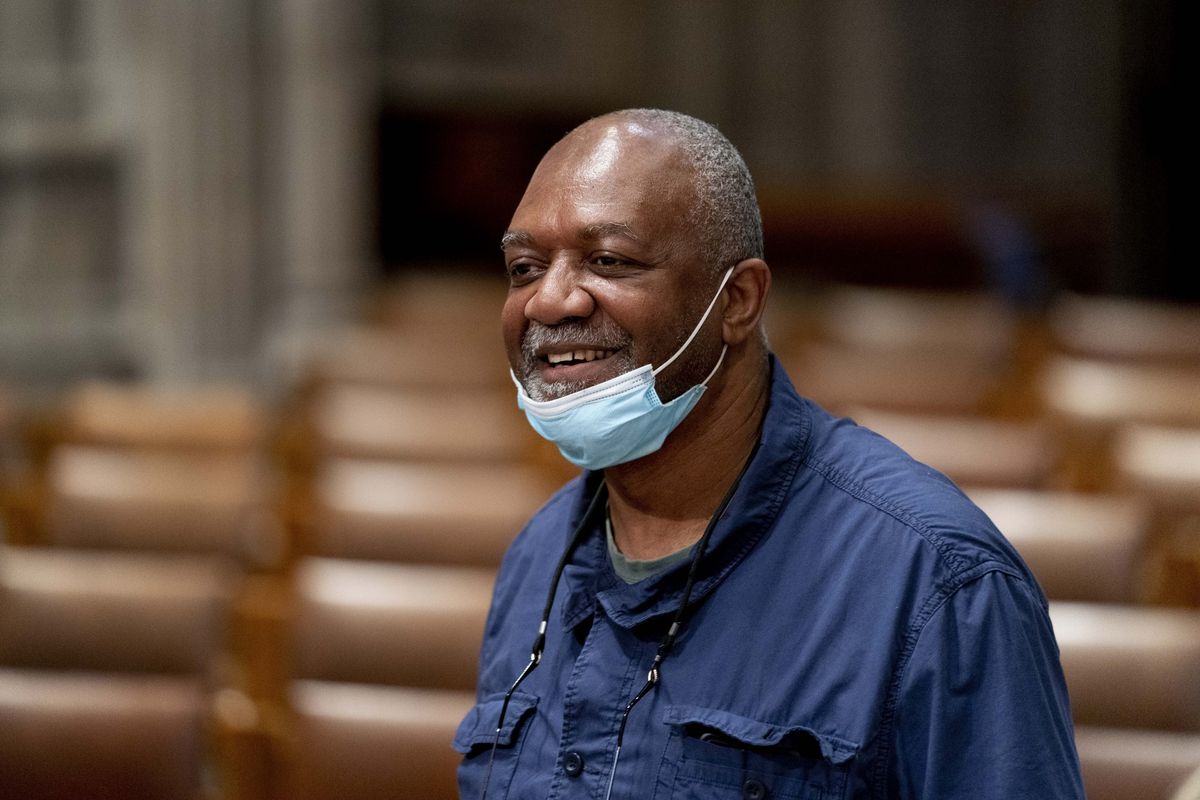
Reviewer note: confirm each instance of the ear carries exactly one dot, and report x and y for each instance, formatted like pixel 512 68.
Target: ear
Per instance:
pixel 747 292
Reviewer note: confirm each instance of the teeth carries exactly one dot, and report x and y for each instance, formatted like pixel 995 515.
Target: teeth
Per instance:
pixel 577 355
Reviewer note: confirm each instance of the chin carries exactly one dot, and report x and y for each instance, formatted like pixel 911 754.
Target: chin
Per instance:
pixel 540 390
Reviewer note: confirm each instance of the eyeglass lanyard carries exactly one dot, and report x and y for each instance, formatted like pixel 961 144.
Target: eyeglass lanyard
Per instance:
pixel 668 641
pixel 664 646
pixel 539 644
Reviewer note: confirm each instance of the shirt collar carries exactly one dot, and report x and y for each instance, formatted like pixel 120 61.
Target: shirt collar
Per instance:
pixel 754 507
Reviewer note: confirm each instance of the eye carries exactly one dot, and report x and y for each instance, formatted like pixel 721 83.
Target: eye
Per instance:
pixel 521 271
pixel 609 261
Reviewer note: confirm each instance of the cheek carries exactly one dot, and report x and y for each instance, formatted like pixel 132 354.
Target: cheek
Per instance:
pixel 654 314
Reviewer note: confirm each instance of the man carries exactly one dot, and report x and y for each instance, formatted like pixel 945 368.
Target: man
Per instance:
pixel 741 596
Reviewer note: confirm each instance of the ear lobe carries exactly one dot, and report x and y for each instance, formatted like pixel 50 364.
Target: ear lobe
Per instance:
pixel 747 290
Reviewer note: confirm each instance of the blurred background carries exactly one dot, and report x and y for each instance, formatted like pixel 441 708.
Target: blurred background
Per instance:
pixel 190 187
pixel 259 457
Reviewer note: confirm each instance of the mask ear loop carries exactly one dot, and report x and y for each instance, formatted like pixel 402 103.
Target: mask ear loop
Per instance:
pixel 696 329
pixel 668 641
pixel 539 644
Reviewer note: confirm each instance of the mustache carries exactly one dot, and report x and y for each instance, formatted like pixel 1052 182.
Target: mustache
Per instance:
pixel 603 335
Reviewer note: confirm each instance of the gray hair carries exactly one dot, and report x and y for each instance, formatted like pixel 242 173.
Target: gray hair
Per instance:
pixel 726 212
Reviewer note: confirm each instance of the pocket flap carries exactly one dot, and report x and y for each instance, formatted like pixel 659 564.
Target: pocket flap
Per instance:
pixel 479 725
pixel 753 733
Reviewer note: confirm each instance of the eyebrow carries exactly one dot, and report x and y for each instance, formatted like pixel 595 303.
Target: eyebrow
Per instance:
pixel 510 238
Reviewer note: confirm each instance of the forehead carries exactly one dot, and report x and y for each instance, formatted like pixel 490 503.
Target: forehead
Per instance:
pixel 617 173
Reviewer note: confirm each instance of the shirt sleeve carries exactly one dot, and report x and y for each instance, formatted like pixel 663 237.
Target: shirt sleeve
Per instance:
pixel 982 710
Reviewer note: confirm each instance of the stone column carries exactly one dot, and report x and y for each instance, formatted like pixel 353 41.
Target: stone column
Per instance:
pixel 184 101
pixel 247 194
pixel 322 97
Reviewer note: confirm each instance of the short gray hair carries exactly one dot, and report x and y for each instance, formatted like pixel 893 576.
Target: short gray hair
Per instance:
pixel 726 212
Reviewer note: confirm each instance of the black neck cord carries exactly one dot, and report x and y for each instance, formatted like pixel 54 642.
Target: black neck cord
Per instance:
pixel 664 646
pixel 668 641
pixel 539 644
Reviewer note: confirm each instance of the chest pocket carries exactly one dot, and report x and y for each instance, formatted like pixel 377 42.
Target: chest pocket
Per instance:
pixel 474 739
pixel 715 755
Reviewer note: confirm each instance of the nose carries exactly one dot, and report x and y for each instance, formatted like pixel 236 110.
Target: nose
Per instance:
pixel 560 295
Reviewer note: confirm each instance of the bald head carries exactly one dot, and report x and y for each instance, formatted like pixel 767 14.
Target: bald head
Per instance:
pixel 721 206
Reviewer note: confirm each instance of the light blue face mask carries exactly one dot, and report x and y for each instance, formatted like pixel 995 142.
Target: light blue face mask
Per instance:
pixel 621 419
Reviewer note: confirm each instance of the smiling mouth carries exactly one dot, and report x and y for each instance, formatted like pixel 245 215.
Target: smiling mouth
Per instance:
pixel 571 357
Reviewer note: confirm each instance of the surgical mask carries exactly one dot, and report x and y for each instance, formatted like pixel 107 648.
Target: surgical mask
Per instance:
pixel 621 419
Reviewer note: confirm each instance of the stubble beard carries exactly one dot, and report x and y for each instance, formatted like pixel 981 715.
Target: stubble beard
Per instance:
pixel 604 335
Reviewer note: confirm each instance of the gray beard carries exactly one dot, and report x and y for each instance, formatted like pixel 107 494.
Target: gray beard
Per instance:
pixel 606 335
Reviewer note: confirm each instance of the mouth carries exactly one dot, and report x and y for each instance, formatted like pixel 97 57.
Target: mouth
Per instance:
pixel 557 360
pixel 567 358
pixel 574 364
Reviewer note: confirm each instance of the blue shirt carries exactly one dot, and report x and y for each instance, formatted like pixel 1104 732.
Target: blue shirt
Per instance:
pixel 858 629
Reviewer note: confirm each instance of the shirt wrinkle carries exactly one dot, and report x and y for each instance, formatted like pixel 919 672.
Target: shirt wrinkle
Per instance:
pixel 910 520
pixel 930 609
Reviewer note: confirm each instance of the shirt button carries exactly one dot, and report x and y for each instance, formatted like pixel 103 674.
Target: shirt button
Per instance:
pixel 754 790
pixel 573 764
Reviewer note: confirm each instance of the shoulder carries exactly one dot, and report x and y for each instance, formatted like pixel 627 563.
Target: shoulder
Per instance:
pixel 857 474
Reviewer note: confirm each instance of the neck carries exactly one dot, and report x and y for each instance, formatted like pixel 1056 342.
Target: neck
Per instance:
pixel 661 503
